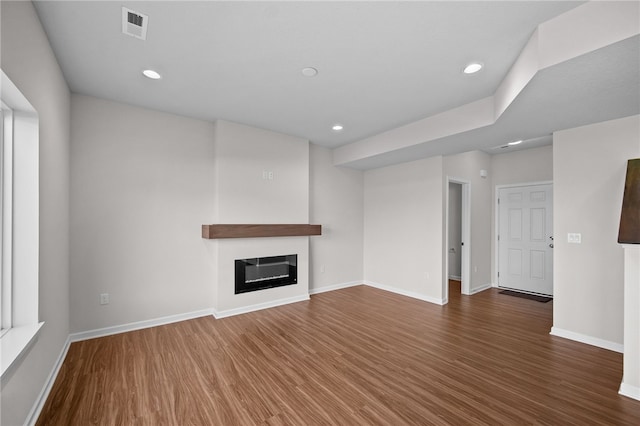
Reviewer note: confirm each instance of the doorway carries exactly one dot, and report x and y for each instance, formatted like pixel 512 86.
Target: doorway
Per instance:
pixel 525 238
pixel 457 238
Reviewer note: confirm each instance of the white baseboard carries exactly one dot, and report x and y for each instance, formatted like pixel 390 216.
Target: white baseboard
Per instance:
pixel 406 293
pixel 589 340
pixel 455 278
pixel 259 306
pixel 629 391
pixel 479 289
pixel 334 287
pixel 32 418
pixel 108 331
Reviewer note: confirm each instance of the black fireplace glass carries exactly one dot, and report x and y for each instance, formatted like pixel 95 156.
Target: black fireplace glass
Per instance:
pixel 259 273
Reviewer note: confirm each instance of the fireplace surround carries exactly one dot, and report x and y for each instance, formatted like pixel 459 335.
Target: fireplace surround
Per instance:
pixel 261 273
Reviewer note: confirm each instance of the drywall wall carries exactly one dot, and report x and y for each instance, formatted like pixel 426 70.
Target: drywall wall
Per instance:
pixel 454 230
pixel 244 193
pixel 589 167
pixel 141 187
pixel 29 62
pixel 336 202
pixel 513 168
pixel 261 177
pixel 525 166
pixel 403 228
pixel 467 166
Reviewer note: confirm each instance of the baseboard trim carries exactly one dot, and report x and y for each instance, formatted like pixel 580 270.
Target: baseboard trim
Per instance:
pixel 455 278
pixel 334 287
pixel 479 289
pixel 629 391
pixel 32 418
pixel 117 329
pixel 589 340
pixel 259 306
pixel 406 293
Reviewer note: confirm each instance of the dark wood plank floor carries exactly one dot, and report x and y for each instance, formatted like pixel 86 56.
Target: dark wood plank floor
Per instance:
pixel 348 357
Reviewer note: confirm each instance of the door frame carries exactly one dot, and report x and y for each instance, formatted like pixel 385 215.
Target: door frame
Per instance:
pixel 496 224
pixel 465 234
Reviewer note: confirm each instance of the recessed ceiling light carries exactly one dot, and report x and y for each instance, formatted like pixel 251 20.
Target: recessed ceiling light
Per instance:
pixel 337 127
pixel 151 74
pixel 514 143
pixel 473 68
pixel 309 72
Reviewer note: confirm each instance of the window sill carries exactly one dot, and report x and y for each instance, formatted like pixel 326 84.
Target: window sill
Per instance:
pixel 14 343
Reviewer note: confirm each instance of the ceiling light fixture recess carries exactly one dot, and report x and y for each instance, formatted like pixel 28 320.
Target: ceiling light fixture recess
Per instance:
pixel 309 72
pixel 153 75
pixel 514 143
pixel 472 68
pixel 337 127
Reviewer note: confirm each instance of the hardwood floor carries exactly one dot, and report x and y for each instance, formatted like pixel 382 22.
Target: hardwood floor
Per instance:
pixel 358 356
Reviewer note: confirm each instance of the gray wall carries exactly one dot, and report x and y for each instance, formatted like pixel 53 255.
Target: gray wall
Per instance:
pixel 337 203
pixel 141 188
pixel 29 62
pixel 404 228
pixel 589 172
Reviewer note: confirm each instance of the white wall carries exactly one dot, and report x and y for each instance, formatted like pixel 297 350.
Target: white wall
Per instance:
pixel 245 194
pixel 403 228
pixel 589 166
pixel 524 166
pixel 467 166
pixel 242 154
pixel 512 168
pixel 141 187
pixel 29 62
pixel 336 203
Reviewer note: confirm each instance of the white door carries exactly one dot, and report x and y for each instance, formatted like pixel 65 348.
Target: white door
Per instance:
pixel 525 238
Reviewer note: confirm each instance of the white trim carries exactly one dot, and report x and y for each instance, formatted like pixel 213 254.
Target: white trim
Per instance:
pixel 259 306
pixel 334 287
pixel 455 278
pixel 15 342
pixel 589 340
pixel 479 289
pixel 117 329
pixel 32 418
pixel 629 391
pixel 405 293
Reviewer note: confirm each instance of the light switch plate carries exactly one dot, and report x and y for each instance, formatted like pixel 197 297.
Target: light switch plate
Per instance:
pixel 574 238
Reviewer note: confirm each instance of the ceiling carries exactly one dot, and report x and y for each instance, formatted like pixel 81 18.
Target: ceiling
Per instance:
pixel 380 65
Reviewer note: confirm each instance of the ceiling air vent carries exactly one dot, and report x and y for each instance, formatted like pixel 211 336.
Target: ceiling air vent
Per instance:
pixel 134 23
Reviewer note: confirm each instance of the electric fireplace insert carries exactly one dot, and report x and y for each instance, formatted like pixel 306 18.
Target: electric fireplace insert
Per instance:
pixel 260 273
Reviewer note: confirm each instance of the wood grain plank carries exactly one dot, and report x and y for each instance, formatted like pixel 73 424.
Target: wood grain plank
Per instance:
pixel 259 231
pixel 358 356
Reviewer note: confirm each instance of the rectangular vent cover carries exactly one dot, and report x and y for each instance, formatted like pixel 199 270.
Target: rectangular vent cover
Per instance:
pixel 134 23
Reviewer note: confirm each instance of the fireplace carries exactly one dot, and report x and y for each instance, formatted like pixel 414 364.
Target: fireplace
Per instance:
pixel 260 273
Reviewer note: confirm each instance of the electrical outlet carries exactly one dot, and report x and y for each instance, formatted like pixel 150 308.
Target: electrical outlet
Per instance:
pixel 104 299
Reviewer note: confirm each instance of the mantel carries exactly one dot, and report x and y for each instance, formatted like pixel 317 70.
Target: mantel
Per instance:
pixel 259 230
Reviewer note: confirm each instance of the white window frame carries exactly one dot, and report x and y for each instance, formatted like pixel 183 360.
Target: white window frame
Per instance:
pixel 22 251
pixel 6 223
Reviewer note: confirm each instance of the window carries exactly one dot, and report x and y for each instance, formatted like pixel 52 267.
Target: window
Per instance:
pixel 6 210
pixel 19 223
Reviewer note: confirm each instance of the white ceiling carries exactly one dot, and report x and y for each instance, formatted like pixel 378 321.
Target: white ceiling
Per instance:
pixel 381 65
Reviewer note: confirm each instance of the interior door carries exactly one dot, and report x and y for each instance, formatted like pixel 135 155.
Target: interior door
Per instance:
pixel 525 238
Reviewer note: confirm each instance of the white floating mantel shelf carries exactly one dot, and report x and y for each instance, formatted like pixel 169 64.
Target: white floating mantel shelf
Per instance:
pixel 257 230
